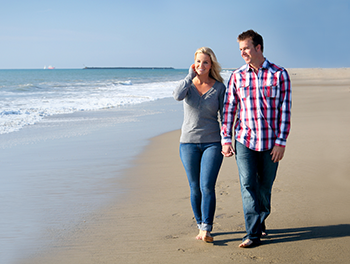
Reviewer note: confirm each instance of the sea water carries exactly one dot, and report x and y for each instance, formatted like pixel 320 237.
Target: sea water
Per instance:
pixel 47 188
pixel 27 96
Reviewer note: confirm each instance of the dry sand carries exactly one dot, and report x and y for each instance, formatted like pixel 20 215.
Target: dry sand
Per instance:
pixel 310 220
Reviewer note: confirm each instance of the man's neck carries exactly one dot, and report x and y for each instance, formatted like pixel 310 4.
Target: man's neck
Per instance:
pixel 257 65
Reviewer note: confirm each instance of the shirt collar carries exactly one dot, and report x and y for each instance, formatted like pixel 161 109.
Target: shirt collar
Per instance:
pixel 266 65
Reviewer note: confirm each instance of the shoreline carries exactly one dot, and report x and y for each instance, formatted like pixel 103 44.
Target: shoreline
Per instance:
pixel 308 223
pixel 59 171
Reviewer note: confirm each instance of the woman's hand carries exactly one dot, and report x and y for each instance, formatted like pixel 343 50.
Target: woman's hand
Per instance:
pixel 192 71
pixel 193 66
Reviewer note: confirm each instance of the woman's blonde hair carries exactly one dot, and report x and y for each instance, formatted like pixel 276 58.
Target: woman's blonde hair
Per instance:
pixel 215 66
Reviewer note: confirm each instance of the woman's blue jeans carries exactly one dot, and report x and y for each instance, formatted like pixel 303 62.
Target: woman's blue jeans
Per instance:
pixel 257 173
pixel 202 163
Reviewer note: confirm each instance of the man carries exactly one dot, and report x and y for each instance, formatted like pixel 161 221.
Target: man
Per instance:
pixel 260 94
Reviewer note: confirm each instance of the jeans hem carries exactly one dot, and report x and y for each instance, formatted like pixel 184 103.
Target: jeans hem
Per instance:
pixel 205 227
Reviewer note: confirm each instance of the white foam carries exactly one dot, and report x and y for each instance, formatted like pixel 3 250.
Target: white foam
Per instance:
pixel 32 107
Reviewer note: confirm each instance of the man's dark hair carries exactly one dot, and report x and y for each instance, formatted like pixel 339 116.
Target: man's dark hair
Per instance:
pixel 256 38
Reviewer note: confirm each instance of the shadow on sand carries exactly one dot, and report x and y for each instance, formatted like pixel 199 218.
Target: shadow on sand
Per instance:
pixel 293 234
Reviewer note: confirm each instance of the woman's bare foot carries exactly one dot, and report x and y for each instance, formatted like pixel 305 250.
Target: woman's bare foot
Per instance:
pixel 205 236
pixel 200 235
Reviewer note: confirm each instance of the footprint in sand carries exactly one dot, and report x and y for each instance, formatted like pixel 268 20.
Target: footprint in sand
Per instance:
pixel 176 214
pixel 220 216
pixel 276 190
pixel 171 237
pixel 224 193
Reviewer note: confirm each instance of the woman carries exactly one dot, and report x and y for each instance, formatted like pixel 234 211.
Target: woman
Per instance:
pixel 200 149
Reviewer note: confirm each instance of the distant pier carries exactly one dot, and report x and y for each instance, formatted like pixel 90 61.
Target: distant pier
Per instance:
pixel 128 68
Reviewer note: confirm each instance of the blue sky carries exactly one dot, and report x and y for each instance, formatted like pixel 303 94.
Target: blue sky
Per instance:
pixel 74 33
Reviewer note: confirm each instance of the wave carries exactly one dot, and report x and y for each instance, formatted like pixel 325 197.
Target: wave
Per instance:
pixel 30 108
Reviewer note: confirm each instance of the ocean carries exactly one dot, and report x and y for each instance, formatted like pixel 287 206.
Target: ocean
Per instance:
pixel 28 96
pixel 54 172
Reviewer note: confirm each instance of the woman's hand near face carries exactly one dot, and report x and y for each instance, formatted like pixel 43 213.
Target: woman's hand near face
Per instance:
pixel 192 71
pixel 193 67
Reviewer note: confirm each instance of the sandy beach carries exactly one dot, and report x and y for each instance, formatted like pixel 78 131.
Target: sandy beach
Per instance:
pixel 310 220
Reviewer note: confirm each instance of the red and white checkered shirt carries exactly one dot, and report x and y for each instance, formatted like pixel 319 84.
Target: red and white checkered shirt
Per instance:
pixel 262 103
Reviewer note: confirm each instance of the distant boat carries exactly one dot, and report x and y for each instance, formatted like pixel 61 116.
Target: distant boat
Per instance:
pixel 50 67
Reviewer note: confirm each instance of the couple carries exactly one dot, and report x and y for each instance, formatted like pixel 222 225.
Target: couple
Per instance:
pixel 260 94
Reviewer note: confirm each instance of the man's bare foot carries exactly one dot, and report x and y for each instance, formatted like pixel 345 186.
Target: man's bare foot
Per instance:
pixel 246 243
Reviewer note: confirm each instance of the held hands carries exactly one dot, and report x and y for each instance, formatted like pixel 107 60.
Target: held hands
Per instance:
pixel 227 150
pixel 277 152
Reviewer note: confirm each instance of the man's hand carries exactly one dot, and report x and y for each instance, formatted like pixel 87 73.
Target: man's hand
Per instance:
pixel 227 150
pixel 277 153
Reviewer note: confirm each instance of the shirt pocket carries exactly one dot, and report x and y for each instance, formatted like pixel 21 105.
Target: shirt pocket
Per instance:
pixel 270 91
pixel 243 92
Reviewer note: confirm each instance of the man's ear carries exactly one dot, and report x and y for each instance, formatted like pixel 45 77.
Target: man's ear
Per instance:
pixel 258 47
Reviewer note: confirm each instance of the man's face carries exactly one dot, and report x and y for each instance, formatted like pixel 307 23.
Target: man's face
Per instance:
pixel 249 53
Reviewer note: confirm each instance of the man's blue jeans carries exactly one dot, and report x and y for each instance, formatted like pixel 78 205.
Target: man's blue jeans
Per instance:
pixel 257 173
pixel 202 163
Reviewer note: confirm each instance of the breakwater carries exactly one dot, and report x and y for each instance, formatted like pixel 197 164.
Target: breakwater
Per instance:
pixel 130 68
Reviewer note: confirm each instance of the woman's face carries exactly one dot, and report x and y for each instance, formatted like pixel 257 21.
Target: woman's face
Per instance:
pixel 202 64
